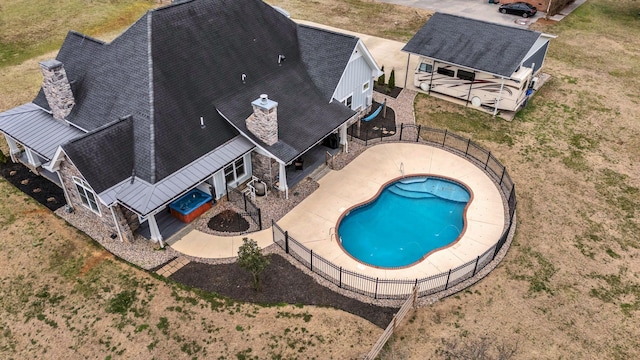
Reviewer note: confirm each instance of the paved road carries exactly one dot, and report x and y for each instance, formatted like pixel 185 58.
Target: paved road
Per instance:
pixel 474 9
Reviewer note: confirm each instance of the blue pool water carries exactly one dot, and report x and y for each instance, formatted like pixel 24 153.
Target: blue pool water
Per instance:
pixel 410 218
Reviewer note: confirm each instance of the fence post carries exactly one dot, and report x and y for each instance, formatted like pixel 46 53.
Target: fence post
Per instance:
pixel 415 295
pixel 375 293
pixel 401 128
pixel 340 281
pixel 366 138
pixel 226 189
pixel 311 262
pixel 444 139
pixel 504 169
pixel 446 286
pixel 475 267
pixel 244 196
pixel 487 162
pixel 286 242
pixel 260 218
pixel 381 135
pixel 467 151
pixel 418 133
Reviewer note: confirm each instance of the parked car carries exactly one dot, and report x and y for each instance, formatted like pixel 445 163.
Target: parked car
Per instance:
pixel 518 8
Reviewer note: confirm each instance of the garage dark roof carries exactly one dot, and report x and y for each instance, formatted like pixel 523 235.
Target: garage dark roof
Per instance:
pixel 475 44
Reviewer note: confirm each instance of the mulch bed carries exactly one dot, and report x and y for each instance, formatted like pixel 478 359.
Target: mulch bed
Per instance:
pixel 380 126
pixel 281 283
pixel 228 221
pixel 40 189
pixel 393 92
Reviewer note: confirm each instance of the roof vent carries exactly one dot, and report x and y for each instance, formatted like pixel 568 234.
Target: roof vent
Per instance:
pixel 244 78
pixel 281 59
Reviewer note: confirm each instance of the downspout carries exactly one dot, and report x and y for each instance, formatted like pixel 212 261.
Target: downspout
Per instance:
pixel 433 68
pixel 64 190
pixel 115 220
pixel 406 72
pixel 495 110
pixel 470 87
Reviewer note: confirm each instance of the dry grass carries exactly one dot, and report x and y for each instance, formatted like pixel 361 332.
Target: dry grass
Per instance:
pixel 568 288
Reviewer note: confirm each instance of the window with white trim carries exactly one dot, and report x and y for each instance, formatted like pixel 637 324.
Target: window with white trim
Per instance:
pixel 348 101
pixel 87 195
pixel 234 171
pixel 365 86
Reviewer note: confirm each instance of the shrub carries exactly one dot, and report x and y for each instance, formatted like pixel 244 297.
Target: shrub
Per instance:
pixel 251 259
pixel 392 79
pixel 381 77
pixel 3 157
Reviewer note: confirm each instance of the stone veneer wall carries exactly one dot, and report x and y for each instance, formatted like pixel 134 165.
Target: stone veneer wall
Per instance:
pixel 93 221
pixel 57 89
pixel 263 123
pixel 264 168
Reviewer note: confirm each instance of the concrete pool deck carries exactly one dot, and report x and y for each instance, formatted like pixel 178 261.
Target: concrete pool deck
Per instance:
pixel 313 221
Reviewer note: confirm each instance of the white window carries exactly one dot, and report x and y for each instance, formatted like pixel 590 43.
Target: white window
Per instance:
pixel 348 101
pixel 86 195
pixel 234 171
pixel 365 86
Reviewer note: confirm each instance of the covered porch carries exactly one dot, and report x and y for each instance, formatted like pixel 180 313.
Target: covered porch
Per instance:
pixel 311 160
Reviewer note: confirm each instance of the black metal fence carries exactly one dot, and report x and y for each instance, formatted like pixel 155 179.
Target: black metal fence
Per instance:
pixel 399 289
pixel 242 201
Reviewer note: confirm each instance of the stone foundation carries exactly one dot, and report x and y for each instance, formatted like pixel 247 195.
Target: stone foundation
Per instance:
pixel 264 168
pixel 101 225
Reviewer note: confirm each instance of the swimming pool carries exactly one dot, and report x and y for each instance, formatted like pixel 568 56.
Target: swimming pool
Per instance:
pixel 409 219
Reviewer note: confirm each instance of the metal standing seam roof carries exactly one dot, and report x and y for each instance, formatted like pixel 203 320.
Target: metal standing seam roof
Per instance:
pixel 144 197
pixel 37 129
pixel 474 44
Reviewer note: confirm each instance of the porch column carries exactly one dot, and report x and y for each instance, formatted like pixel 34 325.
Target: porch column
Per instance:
pixel 155 231
pixel 13 147
pixel 343 138
pixel 31 158
pixel 282 179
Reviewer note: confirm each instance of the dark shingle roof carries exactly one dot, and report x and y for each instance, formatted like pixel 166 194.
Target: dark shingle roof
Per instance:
pixel 325 55
pixel 111 147
pixel 304 117
pixel 474 44
pixel 177 64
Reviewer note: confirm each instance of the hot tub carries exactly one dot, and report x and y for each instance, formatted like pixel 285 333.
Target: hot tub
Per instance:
pixel 190 205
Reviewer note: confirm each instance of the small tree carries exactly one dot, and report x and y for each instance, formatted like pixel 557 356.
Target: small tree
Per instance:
pixel 392 79
pixel 381 77
pixel 251 259
pixel 3 157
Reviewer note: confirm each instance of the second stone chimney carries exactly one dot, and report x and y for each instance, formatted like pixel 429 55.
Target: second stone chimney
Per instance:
pixel 57 89
pixel 264 121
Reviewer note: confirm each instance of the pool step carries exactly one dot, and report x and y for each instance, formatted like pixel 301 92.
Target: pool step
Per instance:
pixel 410 194
pixel 441 188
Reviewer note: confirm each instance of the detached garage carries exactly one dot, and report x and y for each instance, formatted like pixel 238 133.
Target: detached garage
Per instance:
pixel 486 65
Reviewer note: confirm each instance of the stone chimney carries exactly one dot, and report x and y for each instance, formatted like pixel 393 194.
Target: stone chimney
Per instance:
pixel 264 121
pixel 56 88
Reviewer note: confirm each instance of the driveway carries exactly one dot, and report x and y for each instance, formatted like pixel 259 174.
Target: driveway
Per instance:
pixel 474 9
